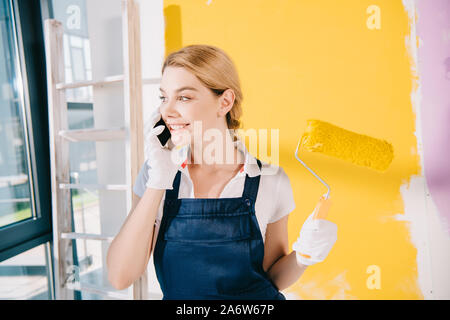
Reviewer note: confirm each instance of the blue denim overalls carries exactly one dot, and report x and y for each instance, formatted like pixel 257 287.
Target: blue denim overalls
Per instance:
pixel 212 248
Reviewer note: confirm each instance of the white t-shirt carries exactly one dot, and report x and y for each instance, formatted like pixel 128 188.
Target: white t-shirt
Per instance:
pixel 275 198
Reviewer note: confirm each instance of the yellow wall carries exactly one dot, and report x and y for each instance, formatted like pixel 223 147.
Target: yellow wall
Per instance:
pixel 300 60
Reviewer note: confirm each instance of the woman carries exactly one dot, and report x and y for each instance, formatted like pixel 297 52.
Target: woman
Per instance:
pixel 217 230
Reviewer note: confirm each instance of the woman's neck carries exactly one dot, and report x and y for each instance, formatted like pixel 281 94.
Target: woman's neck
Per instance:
pixel 230 159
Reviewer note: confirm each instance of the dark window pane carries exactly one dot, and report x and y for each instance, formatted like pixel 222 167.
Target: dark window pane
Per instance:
pixel 26 276
pixel 15 189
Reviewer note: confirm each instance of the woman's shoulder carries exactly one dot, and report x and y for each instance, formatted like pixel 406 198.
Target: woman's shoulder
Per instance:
pixel 275 175
pixel 272 170
pixel 141 179
pixel 278 187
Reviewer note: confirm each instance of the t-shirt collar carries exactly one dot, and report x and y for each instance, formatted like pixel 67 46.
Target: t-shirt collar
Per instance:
pixel 250 164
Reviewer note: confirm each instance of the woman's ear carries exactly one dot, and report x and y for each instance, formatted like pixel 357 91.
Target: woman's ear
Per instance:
pixel 226 102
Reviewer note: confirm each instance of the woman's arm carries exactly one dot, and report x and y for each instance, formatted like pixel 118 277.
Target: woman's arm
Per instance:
pixel 282 266
pixel 129 252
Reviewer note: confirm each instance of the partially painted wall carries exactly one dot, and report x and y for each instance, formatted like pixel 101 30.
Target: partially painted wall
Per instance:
pixel 433 61
pixel 433 30
pixel 354 64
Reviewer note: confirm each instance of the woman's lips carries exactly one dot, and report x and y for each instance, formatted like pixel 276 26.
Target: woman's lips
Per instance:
pixel 174 128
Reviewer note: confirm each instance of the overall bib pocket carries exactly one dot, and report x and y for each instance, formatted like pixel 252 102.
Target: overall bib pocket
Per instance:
pixel 209 257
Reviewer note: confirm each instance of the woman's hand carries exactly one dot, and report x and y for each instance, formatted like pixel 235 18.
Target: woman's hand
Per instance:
pixel 163 162
pixel 316 239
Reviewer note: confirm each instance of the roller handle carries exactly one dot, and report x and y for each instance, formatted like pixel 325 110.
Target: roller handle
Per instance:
pixel 322 208
pixel 320 212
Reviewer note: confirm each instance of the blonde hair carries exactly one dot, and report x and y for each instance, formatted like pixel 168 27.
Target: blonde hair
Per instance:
pixel 214 68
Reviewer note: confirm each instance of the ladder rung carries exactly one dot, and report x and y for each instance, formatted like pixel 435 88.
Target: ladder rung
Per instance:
pixel 151 80
pixel 94 289
pixel 86 236
pixel 94 134
pixel 116 187
pixel 106 80
pixel 79 84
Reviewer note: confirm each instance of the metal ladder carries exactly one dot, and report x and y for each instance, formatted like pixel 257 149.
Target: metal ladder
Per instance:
pixel 131 134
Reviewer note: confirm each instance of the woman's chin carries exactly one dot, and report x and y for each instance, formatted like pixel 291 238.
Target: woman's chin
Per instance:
pixel 181 138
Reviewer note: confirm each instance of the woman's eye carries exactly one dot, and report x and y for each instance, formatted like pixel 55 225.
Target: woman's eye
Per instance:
pixel 182 98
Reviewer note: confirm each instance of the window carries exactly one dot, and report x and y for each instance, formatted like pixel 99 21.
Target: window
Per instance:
pixel 15 182
pixel 27 276
pixel 25 197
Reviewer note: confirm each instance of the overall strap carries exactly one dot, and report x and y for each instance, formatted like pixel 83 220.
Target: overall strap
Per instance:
pixel 251 185
pixel 173 194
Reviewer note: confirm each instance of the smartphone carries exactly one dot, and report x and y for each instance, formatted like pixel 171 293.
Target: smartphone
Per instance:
pixel 164 136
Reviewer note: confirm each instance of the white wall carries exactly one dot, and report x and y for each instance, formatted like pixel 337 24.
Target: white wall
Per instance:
pixel 152 52
pixel 105 28
pixel 105 33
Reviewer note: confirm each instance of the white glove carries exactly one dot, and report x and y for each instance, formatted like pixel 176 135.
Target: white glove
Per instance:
pixel 164 162
pixel 316 239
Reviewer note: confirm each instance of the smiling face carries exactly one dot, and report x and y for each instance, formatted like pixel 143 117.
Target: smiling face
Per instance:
pixel 184 99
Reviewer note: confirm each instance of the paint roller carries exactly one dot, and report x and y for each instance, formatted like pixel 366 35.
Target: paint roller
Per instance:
pixel 358 149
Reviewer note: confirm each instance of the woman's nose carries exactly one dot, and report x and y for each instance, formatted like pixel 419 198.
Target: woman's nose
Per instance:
pixel 168 109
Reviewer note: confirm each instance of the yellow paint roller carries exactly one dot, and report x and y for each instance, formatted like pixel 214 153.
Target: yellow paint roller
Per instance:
pixel 359 149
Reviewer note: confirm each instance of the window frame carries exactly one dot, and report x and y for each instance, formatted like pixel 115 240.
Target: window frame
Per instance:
pixel 26 234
